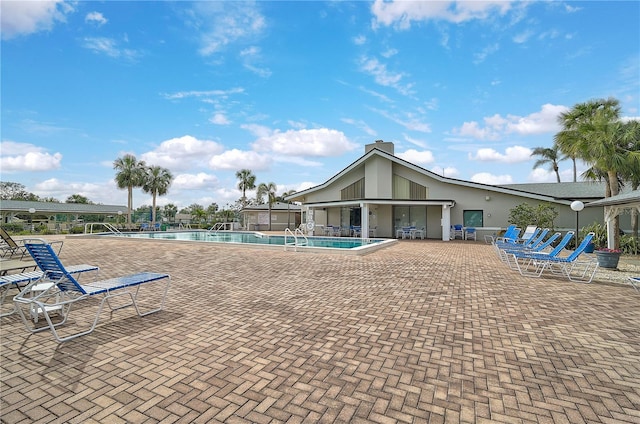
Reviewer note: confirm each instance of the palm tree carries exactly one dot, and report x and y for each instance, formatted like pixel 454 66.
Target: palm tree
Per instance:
pixel 548 156
pixel 569 137
pixel 130 174
pixel 268 189
pixel 607 144
pixel 247 182
pixel 170 210
pixel 156 181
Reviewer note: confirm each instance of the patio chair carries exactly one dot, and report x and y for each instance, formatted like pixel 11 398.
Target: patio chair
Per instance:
pixel 529 233
pixel 65 291
pixel 517 259
pixel 570 266
pixel 11 248
pixel 458 232
pixel 510 235
pixel 470 233
pixel 15 280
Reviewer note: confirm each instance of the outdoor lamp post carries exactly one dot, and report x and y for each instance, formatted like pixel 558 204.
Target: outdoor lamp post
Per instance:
pixel 31 212
pixel 119 215
pixel 577 206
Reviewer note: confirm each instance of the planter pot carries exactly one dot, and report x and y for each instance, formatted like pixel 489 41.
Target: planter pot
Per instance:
pixel 608 259
pixel 590 248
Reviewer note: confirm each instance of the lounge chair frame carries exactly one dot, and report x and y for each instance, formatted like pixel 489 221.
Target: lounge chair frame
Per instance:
pixel 65 291
pixel 570 267
pixel 15 280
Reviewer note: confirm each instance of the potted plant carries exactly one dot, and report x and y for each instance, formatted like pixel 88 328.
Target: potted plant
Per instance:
pixel 608 258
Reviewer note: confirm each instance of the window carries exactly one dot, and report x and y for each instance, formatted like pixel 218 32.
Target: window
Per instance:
pixel 472 218
pixel 353 191
pixel 407 189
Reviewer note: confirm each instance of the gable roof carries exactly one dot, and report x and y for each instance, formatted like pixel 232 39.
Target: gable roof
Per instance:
pixel 511 189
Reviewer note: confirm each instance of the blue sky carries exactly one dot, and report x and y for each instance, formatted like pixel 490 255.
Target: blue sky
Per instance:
pixel 294 90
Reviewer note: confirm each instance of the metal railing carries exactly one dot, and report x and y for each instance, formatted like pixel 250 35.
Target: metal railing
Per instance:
pixel 297 233
pixel 88 227
pixel 221 226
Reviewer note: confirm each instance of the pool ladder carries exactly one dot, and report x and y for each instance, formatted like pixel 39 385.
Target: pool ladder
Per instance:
pixel 295 243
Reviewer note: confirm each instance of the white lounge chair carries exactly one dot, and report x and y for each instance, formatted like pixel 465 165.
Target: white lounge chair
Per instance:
pixel 64 291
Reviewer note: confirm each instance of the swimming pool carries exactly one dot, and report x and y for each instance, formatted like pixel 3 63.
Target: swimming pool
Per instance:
pixel 257 239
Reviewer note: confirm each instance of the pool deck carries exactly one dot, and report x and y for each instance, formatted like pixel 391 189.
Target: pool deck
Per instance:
pixel 422 331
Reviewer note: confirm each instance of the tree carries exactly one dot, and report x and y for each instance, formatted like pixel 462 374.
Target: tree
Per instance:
pixel 15 191
pixel 170 210
pixel 548 156
pixel 247 181
pixel 156 181
pixel 568 139
pixel 594 133
pixel 78 198
pixel 269 190
pixel 130 174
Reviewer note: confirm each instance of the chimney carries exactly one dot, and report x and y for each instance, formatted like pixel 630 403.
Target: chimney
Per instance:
pixel 385 146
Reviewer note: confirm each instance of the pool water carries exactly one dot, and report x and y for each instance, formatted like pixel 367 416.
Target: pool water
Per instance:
pixel 254 238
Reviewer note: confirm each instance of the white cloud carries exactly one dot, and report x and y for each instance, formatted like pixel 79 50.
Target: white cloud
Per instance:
pixel 410 122
pixel 96 18
pixel 419 143
pixel 515 154
pixel 487 51
pixel 523 37
pixel 26 157
pixel 109 47
pixel 225 23
pixel 28 17
pixel 322 142
pixel 544 121
pixel 384 77
pixel 234 159
pixel 219 119
pixel 402 13
pixel 423 157
pixel 360 125
pixel 487 178
pixel 359 40
pixel 63 189
pixel 182 153
pixel 200 180
pixel 208 93
pixel 389 53
pixel 449 171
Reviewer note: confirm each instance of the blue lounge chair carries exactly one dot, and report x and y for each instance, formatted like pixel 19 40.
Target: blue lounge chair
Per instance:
pixel 15 280
pixel 518 260
pixel 570 267
pixel 64 291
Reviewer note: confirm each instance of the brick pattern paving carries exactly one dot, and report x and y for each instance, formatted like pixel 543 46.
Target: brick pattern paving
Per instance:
pixel 423 331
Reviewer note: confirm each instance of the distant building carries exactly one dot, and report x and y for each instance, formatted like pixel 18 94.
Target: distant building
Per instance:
pixel 384 192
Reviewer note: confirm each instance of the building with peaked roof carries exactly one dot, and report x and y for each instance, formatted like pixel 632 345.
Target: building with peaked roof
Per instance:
pixel 383 192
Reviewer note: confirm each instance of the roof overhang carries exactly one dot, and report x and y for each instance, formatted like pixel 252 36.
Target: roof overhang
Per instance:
pixel 358 203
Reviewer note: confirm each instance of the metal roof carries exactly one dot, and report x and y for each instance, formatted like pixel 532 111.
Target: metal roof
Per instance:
pixel 277 206
pixel 631 198
pixel 567 190
pixel 60 208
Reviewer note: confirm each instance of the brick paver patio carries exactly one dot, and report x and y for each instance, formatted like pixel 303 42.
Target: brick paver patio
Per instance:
pixel 423 331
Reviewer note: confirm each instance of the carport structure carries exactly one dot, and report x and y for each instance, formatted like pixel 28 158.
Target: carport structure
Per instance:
pixel 614 206
pixel 52 212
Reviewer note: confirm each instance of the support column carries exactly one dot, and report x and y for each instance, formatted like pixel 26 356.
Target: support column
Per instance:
pixel 364 220
pixel 446 222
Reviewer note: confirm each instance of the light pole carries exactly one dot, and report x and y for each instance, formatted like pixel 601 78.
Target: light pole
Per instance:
pixel 577 206
pixel 31 212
